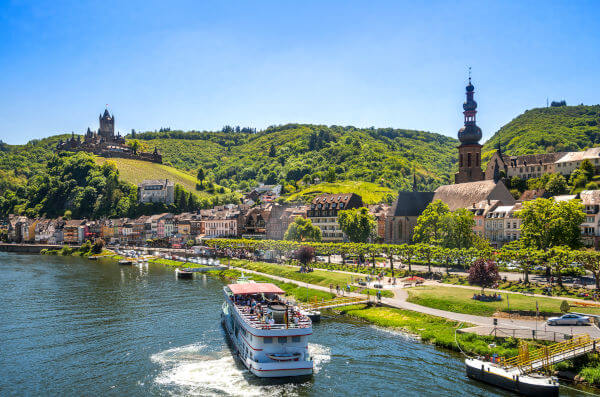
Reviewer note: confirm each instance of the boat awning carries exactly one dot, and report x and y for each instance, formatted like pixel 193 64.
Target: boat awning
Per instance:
pixel 255 288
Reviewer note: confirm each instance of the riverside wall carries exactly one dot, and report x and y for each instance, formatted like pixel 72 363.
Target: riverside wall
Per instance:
pixel 27 248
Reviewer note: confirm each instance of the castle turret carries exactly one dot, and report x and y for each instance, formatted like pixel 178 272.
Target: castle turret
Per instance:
pixel 107 126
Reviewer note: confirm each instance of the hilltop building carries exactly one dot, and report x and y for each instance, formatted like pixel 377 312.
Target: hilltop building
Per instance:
pixel 156 191
pixel 105 143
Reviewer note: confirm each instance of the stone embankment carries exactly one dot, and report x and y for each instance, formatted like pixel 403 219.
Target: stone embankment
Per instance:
pixel 29 248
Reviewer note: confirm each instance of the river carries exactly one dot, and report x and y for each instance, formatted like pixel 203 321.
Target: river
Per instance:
pixel 70 326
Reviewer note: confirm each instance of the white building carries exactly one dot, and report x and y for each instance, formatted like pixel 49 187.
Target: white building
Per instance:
pixel 156 191
pixel 572 160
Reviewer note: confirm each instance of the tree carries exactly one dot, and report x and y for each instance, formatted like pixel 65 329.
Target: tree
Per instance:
pixel 546 223
pixel 200 176
pixel 302 229
pixel 357 224
pixel 560 258
pixel 556 184
pixel 429 228
pixel 305 254
pixel 524 257
pixel 331 175
pixel 272 151
pixel 459 229
pixel 578 179
pixel 588 168
pixel 438 226
pixel 68 215
pixel 483 273
pixel 98 246
pixel 134 145
pixel 590 260
pixel 407 253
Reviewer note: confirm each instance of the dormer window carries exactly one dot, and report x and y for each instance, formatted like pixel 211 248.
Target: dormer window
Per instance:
pixel 341 205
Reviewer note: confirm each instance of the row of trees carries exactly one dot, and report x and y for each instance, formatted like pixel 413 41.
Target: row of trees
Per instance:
pixel 557 259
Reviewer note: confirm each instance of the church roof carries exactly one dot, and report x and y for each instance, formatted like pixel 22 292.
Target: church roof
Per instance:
pixel 463 195
pixel 410 203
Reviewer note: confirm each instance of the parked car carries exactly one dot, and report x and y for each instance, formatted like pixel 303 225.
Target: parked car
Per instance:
pixel 569 319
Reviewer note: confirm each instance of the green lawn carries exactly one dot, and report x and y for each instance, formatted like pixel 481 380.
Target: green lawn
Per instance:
pixel 435 330
pixel 460 300
pixel 317 277
pixel 370 192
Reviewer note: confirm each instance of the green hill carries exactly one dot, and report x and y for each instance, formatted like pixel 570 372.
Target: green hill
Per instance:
pixel 552 129
pixel 370 192
pixel 135 171
pixel 287 154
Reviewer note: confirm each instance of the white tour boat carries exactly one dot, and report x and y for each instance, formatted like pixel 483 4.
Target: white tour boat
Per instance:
pixel 269 335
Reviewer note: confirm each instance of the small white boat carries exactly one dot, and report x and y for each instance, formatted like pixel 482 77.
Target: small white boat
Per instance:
pixel 183 273
pixel 511 379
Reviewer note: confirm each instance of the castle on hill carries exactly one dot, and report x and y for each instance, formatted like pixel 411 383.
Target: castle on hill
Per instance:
pixel 105 143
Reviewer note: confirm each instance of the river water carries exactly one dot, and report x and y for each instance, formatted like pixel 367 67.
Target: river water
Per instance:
pixel 70 326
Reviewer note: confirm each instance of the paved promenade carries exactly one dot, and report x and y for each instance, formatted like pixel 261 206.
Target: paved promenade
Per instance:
pixel 483 324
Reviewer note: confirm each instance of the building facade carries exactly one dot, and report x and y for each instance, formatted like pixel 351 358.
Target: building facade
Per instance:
pixel 324 210
pixel 156 191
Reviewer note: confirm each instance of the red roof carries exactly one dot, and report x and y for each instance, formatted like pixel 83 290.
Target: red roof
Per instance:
pixel 255 288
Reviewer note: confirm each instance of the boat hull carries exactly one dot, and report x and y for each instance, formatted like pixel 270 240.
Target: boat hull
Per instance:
pixel 524 385
pixel 267 370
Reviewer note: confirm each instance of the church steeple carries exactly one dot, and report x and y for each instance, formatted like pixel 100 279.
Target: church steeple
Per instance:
pixel 469 151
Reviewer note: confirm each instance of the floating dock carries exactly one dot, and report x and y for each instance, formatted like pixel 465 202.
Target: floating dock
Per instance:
pixel 518 373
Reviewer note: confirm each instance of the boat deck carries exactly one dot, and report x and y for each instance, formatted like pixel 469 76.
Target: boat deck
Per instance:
pixel 260 316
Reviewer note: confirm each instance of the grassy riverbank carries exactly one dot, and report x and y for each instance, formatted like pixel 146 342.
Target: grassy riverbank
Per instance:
pixel 435 330
pixel 317 277
pixel 459 300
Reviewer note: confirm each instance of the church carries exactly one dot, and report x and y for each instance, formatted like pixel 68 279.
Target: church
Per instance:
pixel 470 187
pixel 105 143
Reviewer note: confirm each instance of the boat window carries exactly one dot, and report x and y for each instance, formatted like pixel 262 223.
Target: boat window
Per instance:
pixel 295 339
pixel 282 340
pixel 268 340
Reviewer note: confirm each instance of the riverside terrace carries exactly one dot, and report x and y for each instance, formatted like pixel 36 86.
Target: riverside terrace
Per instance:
pixel 261 306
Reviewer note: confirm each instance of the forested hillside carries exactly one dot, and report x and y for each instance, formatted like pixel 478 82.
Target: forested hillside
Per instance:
pixel 299 152
pixel 551 129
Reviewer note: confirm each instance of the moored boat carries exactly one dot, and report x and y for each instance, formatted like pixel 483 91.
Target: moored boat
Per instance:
pixel 183 273
pixel 511 379
pixel 269 335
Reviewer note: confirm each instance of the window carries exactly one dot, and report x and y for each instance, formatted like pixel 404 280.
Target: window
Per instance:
pixel 282 340
pixel 468 159
pixel 268 340
pixel 295 339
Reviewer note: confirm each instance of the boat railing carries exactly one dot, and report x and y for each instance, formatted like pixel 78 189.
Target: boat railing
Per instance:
pixel 257 321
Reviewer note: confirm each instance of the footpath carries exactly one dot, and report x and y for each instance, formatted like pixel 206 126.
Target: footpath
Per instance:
pixel 478 324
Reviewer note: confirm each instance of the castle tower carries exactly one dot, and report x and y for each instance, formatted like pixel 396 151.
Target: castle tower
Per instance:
pixel 107 126
pixel 469 151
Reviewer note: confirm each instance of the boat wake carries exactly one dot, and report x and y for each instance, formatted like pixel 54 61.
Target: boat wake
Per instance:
pixel 195 370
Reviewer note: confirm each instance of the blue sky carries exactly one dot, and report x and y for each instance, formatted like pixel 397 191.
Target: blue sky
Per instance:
pixel 203 64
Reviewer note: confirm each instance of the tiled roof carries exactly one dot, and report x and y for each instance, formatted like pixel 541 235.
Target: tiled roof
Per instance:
pixel 410 203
